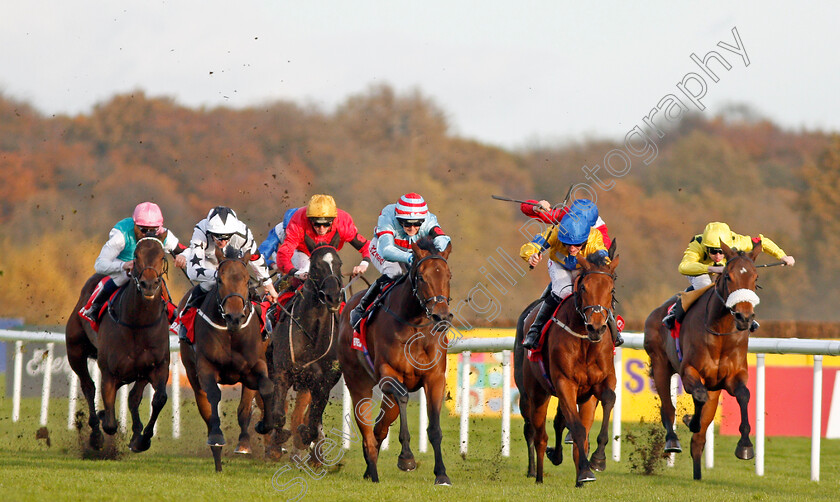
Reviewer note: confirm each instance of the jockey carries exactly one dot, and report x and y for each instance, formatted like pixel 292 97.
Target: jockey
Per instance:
pixel 276 236
pixel 542 211
pixel 116 258
pixel 573 239
pixel 399 226
pixel 321 224
pixel 704 257
pixel 220 229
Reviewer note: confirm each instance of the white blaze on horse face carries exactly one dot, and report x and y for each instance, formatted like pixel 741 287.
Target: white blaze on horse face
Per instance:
pixel 743 270
pixel 328 258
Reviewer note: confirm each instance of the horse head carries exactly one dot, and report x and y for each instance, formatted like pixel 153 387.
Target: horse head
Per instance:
pixel 149 266
pixel 430 276
pixel 736 285
pixel 325 276
pixel 232 287
pixel 594 291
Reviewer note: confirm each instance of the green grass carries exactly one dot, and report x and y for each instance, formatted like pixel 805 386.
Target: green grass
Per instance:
pixel 182 469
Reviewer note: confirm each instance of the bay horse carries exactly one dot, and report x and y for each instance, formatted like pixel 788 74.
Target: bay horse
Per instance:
pixel 132 345
pixel 713 342
pixel 578 365
pixel 228 349
pixel 406 342
pixel 304 350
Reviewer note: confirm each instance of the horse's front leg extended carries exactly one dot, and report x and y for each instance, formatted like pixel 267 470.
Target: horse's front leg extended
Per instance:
pixel 693 384
pixel 243 417
pixel 698 439
pixel 394 401
pixel 135 396
pixel 209 384
pixel 599 456
pixel 320 398
pixel 265 387
pixel 567 396
pixel 159 378
pixel 744 450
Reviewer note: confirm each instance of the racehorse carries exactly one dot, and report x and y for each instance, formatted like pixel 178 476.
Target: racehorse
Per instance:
pixel 406 343
pixel 132 345
pixel 228 349
pixel 713 343
pixel 577 366
pixel 304 346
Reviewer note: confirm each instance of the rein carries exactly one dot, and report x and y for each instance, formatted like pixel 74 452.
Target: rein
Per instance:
pixel 595 309
pixel 412 278
pixel 220 303
pixel 135 277
pixel 723 279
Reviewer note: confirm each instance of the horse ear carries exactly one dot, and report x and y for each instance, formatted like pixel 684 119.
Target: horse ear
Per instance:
pixel 727 251
pixel 445 252
pixel 756 250
pixel 418 251
pixel 611 251
pixel 613 262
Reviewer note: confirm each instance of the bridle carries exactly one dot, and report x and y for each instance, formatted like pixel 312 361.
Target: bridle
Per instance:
pixel 728 302
pixel 220 301
pixel 319 285
pixel 588 310
pixel 413 279
pixel 135 277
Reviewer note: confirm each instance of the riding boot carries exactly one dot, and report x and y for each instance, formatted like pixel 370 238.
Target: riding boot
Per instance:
pixel 100 295
pixel 547 309
pixel 618 341
pixel 677 314
pixel 195 300
pixel 373 291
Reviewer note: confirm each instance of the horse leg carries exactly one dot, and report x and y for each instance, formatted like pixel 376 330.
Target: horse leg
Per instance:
pixel 391 386
pixel 243 416
pixel 539 409
pixel 159 377
pixel 662 373
pixel 209 384
pixel 528 432
pixel 744 450
pixel 303 402
pixel 266 389
pixel 435 387
pixel 555 453
pixel 698 439
pixel 77 356
pixel 320 398
pixel 599 457
pixel 135 396
pixel 693 385
pixel 108 416
pixel 281 391
pixel 566 392
pixel 362 411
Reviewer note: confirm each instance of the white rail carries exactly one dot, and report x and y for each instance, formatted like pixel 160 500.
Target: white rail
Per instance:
pixel 759 346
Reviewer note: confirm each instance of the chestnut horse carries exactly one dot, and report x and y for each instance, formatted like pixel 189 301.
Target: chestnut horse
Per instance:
pixel 304 345
pixel 132 345
pixel 406 341
pixel 713 343
pixel 228 349
pixel 578 365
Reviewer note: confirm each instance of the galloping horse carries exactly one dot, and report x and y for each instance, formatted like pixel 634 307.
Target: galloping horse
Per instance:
pixel 407 348
pixel 713 343
pixel 132 345
pixel 578 366
pixel 304 345
pixel 228 349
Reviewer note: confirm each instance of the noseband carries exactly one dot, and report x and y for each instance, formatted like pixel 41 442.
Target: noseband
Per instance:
pixel 733 298
pixel 424 302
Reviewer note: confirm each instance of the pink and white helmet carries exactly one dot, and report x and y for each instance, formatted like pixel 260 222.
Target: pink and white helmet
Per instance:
pixel 412 206
pixel 147 214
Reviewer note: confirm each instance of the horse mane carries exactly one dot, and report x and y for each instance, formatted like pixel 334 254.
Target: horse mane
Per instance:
pixel 427 243
pixel 231 253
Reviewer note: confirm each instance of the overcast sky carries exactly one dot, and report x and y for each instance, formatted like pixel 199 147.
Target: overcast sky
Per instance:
pixel 506 73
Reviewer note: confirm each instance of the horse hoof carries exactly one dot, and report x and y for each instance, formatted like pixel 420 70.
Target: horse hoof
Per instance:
pixel 585 477
pixel 555 456
pixel 142 444
pixel 97 441
pixel 599 463
pixel 568 439
pixel 243 449
pixel 744 452
pixel 215 440
pixel 443 480
pixel 406 464
pixel 283 435
pixel 531 474
pixel 673 446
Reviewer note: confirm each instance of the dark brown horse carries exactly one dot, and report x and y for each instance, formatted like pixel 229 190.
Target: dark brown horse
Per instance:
pixel 132 345
pixel 578 365
pixel 407 345
pixel 304 345
pixel 713 343
pixel 228 349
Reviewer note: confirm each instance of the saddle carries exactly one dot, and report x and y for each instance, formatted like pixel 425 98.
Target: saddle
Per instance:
pixel 536 354
pixel 686 299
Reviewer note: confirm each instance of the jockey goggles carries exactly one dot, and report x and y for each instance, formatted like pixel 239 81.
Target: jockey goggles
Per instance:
pixel 221 237
pixel 712 251
pixel 411 223
pixel 148 231
pixel 321 222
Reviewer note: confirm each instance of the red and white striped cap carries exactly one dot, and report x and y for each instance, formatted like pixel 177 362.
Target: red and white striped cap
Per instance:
pixel 411 206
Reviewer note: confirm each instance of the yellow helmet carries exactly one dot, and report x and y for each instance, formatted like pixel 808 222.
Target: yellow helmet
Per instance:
pixel 321 206
pixel 714 233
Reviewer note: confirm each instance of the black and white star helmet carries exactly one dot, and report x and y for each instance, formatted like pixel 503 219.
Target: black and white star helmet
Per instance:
pixel 222 221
